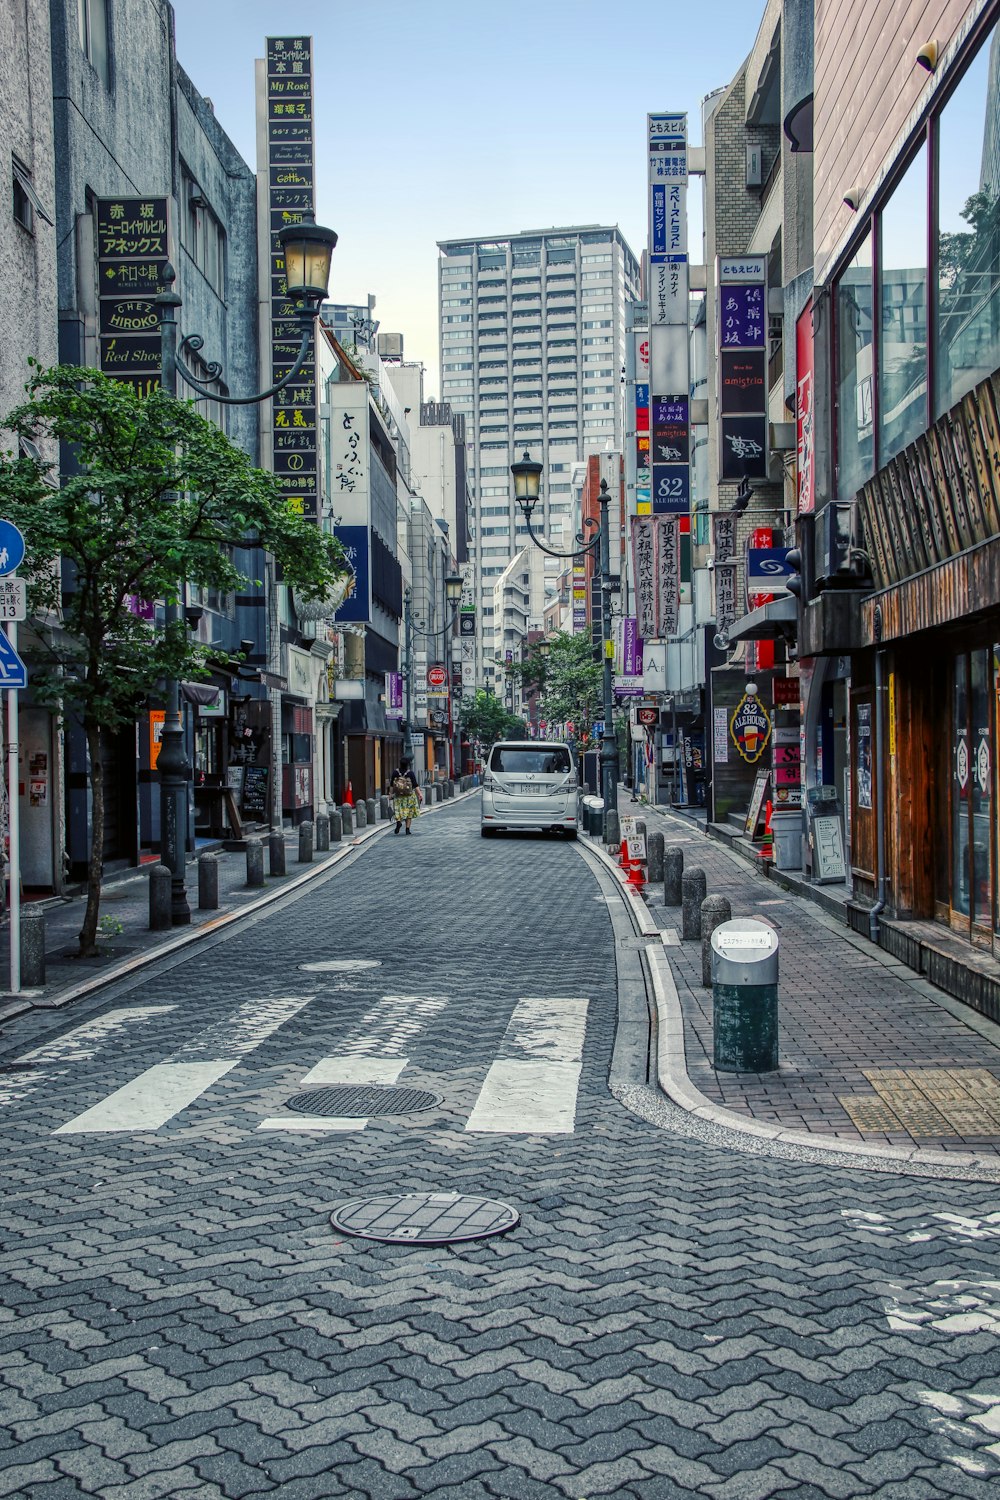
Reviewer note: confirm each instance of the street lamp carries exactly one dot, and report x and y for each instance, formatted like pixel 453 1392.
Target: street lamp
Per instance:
pixel 527 476
pixel 307 248
pixel 453 586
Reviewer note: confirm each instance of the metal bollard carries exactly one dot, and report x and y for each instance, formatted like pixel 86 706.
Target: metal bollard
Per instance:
pixel 305 843
pixel 371 811
pixel 714 911
pixel 654 857
pixel 159 898
pixel 32 947
pixel 612 829
pixel 693 888
pixel 208 882
pixel 255 863
pixel 276 854
pixel 361 814
pixel 673 871
pixel 384 808
pixel 336 828
pixel 745 997
pixel 347 819
pixel 322 833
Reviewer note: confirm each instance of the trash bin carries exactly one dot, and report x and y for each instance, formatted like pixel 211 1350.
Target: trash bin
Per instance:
pixel 786 826
pixel 593 816
pixel 745 997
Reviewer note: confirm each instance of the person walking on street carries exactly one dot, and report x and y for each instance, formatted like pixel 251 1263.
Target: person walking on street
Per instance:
pixel 405 796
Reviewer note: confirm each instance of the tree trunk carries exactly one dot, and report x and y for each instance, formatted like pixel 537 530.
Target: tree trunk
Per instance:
pixel 95 864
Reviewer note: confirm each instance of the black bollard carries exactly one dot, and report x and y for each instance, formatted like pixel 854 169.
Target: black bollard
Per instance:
pixel 336 828
pixel 32 947
pixel 360 814
pixel 255 863
pixel 384 808
pixel 305 843
pixel 654 857
pixel 371 810
pixel 159 898
pixel 322 833
pixel 276 853
pixel 208 882
pixel 714 911
pixel 347 818
pixel 673 871
pixel 612 830
pixel 693 888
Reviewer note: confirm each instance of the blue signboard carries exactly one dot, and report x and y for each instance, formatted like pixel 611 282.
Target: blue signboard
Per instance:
pixel 658 219
pixel 356 542
pixel 671 489
pixel 11 548
pixel 767 569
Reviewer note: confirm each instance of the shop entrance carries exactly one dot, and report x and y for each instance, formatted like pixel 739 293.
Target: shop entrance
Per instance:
pixel 968 899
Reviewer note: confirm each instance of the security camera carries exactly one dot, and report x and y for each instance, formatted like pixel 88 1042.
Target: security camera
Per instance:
pixel 928 55
pixel 853 198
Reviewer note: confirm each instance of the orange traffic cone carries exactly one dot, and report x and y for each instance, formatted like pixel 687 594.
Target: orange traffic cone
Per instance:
pixel 349 796
pixel 637 875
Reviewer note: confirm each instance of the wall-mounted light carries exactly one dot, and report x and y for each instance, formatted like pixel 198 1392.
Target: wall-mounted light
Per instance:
pixel 853 198
pixel 927 57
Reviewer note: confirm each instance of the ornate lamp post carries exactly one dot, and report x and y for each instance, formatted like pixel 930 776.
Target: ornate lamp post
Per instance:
pixel 307 249
pixel 453 586
pixel 527 477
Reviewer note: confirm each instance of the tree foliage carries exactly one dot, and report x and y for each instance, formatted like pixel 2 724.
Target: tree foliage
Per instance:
pixel 485 719
pixel 153 494
pixel 568 679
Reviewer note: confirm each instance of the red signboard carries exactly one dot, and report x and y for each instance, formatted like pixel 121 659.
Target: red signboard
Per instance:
pixel 805 458
pixel 437 676
pixel 786 690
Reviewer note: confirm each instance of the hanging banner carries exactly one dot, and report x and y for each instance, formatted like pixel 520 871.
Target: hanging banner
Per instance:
pixel 394 695
pixel 805 455
pixel 644 575
pixel 668 575
pixel 724 537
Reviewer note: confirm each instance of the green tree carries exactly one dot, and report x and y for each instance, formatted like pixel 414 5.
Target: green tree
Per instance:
pixel 158 494
pixel 568 679
pixel 485 719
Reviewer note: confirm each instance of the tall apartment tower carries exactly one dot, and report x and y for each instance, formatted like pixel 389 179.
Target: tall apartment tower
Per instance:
pixel 532 352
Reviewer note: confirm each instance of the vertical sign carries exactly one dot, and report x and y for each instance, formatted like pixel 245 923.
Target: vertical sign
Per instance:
pixel 644 575
pixel 804 415
pixel 643 493
pixel 669 378
pixel 743 366
pixel 132 249
pixel 668 574
pixel 290 195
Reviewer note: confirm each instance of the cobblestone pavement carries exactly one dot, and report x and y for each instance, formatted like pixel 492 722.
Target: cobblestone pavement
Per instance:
pixel 869 1051
pixel 671 1317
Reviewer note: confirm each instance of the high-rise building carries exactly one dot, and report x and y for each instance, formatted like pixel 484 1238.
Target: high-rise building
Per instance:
pixel 532 350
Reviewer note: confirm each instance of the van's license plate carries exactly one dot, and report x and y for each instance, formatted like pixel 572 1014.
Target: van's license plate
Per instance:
pixel 530 787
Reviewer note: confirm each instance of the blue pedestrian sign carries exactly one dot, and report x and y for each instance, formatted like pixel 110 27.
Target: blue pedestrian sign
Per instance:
pixel 11 547
pixel 13 672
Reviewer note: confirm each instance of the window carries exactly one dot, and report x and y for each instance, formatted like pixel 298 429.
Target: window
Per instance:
pixel 501 470
pixel 26 202
pixel 853 294
pixel 202 235
pixel 94 40
pixel 456 317
pixel 456 367
pixel 967 284
pixel 456 301
pixel 902 353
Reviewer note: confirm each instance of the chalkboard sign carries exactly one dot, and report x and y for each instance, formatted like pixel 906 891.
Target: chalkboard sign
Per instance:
pixel 828 851
pixel 756 803
pixel 253 803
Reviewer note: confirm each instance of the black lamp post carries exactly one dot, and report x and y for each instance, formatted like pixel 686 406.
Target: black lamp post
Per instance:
pixel 453 586
pixel 527 477
pixel 307 249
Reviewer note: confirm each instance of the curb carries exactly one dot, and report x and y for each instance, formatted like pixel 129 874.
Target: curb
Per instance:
pixel 673 1080
pixel 33 1000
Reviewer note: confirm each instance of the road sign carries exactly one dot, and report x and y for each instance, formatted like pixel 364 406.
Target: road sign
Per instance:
pixel 13 599
pixel 437 676
pixel 13 672
pixel 11 547
pixel 648 715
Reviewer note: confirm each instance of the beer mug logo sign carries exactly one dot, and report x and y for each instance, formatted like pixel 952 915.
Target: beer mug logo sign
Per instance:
pixel 750 726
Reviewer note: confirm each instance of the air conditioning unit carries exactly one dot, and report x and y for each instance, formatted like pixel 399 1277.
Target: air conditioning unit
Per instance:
pixel 835 563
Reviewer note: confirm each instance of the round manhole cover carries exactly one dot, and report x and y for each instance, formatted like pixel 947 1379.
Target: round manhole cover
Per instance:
pixel 424 1218
pixel 362 1101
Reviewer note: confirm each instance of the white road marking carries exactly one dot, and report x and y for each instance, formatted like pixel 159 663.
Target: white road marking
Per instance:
pixel 532 1086
pixel 340 965
pixel 153 1098
pixel 311 1122
pixel 56 1058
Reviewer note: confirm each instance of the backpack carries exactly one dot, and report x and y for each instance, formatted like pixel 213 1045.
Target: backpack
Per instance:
pixel 400 785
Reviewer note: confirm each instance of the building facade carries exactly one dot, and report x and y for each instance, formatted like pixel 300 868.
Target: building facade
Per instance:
pixel 532 346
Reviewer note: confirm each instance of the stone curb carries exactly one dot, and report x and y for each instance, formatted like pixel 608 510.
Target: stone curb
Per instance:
pixel 673 1080
pixel 33 1000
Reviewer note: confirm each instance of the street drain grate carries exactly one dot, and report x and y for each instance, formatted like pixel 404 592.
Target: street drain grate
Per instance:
pixel 362 1101
pixel 424 1218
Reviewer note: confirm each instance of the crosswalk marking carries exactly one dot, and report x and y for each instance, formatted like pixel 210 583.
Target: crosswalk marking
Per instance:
pixel 531 1088
pixel 56 1058
pixel 339 1070
pixel 162 1091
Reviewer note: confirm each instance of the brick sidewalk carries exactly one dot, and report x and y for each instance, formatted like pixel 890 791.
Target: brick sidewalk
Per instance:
pixel 869 1051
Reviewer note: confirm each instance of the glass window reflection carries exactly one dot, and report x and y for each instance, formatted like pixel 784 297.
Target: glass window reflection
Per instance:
pixel 968 239
pixel 854 374
pixel 902 384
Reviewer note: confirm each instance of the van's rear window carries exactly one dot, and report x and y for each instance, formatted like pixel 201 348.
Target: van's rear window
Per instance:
pixel 545 761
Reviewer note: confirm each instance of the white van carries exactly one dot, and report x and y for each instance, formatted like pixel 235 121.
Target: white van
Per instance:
pixel 529 784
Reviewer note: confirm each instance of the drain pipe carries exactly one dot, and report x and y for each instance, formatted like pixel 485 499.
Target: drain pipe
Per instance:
pixel 880 874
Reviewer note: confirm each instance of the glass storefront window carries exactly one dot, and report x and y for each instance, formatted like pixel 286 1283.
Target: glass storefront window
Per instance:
pixel 854 373
pixel 902 381
pixel 960 768
pixel 967 289
pixel 981 784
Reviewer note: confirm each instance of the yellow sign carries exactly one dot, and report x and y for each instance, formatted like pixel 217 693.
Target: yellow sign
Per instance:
pixel 892 713
pixel 157 718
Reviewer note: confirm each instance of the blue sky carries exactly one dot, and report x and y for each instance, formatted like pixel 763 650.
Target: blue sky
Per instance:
pixel 443 120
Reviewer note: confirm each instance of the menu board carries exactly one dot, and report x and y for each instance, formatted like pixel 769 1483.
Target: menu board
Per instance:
pixel 253 802
pixel 756 803
pixel 828 851
pixel 290 189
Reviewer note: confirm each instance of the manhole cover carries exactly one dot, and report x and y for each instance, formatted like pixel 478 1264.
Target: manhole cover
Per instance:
pixel 362 1100
pixel 424 1218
